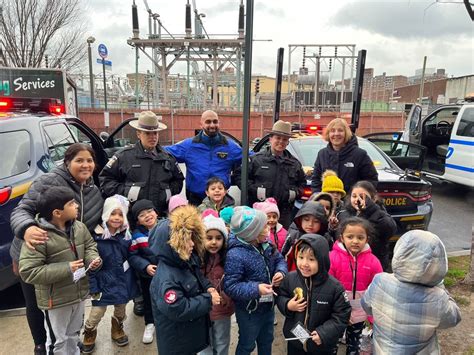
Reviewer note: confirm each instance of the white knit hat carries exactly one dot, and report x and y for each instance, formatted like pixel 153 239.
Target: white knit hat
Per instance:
pixel 216 223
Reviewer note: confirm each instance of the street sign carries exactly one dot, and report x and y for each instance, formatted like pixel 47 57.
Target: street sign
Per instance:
pixel 105 62
pixel 103 52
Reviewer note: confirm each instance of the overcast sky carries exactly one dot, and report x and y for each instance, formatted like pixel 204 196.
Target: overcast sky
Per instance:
pixel 396 34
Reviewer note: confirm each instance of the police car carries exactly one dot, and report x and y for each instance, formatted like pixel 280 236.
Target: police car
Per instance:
pixel 406 196
pixel 446 136
pixel 34 135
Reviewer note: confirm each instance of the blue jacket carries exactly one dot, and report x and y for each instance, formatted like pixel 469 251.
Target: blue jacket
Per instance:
pixel 117 286
pixel 140 254
pixel 180 301
pixel 205 159
pixel 245 268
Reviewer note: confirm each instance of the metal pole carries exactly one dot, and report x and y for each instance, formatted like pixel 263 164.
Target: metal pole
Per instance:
pixel 215 102
pixel 289 68
pixel 137 101
pixel 422 83
pixel 91 74
pixel 238 90
pixel 341 99
pixel 247 100
pixel 279 76
pixel 164 76
pixel 105 85
pixel 316 84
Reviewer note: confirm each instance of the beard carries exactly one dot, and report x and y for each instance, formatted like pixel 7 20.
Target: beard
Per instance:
pixel 211 133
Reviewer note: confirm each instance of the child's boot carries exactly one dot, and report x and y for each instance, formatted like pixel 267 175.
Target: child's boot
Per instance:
pixel 89 340
pixel 118 335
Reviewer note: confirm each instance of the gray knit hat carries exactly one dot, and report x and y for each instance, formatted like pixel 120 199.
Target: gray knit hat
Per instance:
pixel 216 223
pixel 245 223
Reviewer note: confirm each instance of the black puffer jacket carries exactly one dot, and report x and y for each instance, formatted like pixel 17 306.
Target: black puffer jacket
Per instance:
pixel 351 164
pixel 23 216
pixel 384 225
pixel 156 178
pixel 276 177
pixel 328 310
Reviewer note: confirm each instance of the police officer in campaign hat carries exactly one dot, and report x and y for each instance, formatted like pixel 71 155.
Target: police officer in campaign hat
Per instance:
pixel 145 170
pixel 275 172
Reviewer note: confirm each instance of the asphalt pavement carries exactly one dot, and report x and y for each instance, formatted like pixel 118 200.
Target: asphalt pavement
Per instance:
pixel 453 214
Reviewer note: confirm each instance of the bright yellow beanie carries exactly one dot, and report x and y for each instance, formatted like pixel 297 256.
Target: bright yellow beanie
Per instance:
pixel 332 183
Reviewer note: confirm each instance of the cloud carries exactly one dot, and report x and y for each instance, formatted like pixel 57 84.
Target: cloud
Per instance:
pixel 405 20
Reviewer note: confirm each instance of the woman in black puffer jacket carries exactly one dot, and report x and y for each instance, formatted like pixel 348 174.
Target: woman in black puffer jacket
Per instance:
pixel 76 173
pixel 344 156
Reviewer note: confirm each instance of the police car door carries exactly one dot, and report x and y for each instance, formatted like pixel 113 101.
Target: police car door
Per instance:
pixel 405 155
pixel 459 165
pixel 412 130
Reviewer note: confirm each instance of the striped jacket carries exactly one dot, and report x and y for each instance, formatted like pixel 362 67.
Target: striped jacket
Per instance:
pixel 140 254
pixel 409 305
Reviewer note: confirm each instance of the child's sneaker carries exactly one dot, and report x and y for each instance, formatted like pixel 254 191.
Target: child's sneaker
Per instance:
pixel 148 333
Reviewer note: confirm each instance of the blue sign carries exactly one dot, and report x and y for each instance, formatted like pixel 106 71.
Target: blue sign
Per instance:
pixel 105 62
pixel 103 52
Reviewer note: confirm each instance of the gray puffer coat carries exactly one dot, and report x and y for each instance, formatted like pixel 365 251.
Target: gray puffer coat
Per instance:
pixel 23 216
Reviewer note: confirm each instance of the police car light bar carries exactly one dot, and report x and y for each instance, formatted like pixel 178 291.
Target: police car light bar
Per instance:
pixel 47 105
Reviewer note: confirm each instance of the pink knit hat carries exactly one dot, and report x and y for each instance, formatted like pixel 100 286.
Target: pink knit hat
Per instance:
pixel 267 206
pixel 208 212
pixel 176 201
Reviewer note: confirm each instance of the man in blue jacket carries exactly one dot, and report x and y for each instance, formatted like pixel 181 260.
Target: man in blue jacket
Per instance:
pixel 206 155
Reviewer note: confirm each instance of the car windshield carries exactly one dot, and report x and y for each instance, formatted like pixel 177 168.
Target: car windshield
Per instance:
pixel 306 149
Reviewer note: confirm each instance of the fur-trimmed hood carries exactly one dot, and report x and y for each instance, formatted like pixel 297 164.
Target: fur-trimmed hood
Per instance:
pixel 168 239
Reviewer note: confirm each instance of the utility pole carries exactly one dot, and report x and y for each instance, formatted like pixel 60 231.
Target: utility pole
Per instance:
pixel 247 98
pixel 422 82
pixel 90 40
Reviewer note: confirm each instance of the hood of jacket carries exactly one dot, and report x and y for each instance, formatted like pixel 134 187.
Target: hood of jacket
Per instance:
pixel 325 196
pixel 347 149
pixel 314 209
pixel 170 237
pixel 321 251
pixel 66 175
pixel 420 257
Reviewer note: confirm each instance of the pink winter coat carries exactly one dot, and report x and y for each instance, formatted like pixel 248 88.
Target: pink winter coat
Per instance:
pixel 280 236
pixel 365 264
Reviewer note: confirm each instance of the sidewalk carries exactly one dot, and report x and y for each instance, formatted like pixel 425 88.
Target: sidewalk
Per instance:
pixel 15 337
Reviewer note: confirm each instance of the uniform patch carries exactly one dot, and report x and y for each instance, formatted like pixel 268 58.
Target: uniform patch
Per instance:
pixel 111 162
pixel 222 155
pixel 170 296
pixel 349 164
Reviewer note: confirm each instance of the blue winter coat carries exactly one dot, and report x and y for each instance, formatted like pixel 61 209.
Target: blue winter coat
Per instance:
pixel 117 286
pixel 180 301
pixel 203 160
pixel 245 268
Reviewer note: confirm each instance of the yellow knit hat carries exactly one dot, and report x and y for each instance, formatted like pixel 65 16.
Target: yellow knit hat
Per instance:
pixel 332 183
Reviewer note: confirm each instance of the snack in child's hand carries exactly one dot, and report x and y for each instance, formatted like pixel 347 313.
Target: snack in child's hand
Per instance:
pixel 298 292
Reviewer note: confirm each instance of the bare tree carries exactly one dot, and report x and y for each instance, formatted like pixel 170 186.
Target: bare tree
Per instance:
pixel 30 30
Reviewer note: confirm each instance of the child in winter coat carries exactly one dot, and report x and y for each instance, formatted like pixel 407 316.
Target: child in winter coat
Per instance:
pixel 409 305
pixel 142 260
pixel 310 219
pixel 181 296
pixel 175 202
pixel 217 197
pixel 277 232
pixel 114 284
pixel 363 202
pixel 354 265
pixel 57 268
pixel 215 246
pixel 253 268
pixel 333 186
pixel 314 303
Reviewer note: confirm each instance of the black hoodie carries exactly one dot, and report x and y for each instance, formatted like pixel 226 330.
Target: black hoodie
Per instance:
pixel 328 309
pixel 295 232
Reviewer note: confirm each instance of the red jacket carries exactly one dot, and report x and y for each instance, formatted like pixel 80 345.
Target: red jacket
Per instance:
pixel 365 266
pixel 214 272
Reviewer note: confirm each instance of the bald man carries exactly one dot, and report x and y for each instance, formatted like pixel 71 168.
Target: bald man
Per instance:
pixel 208 154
